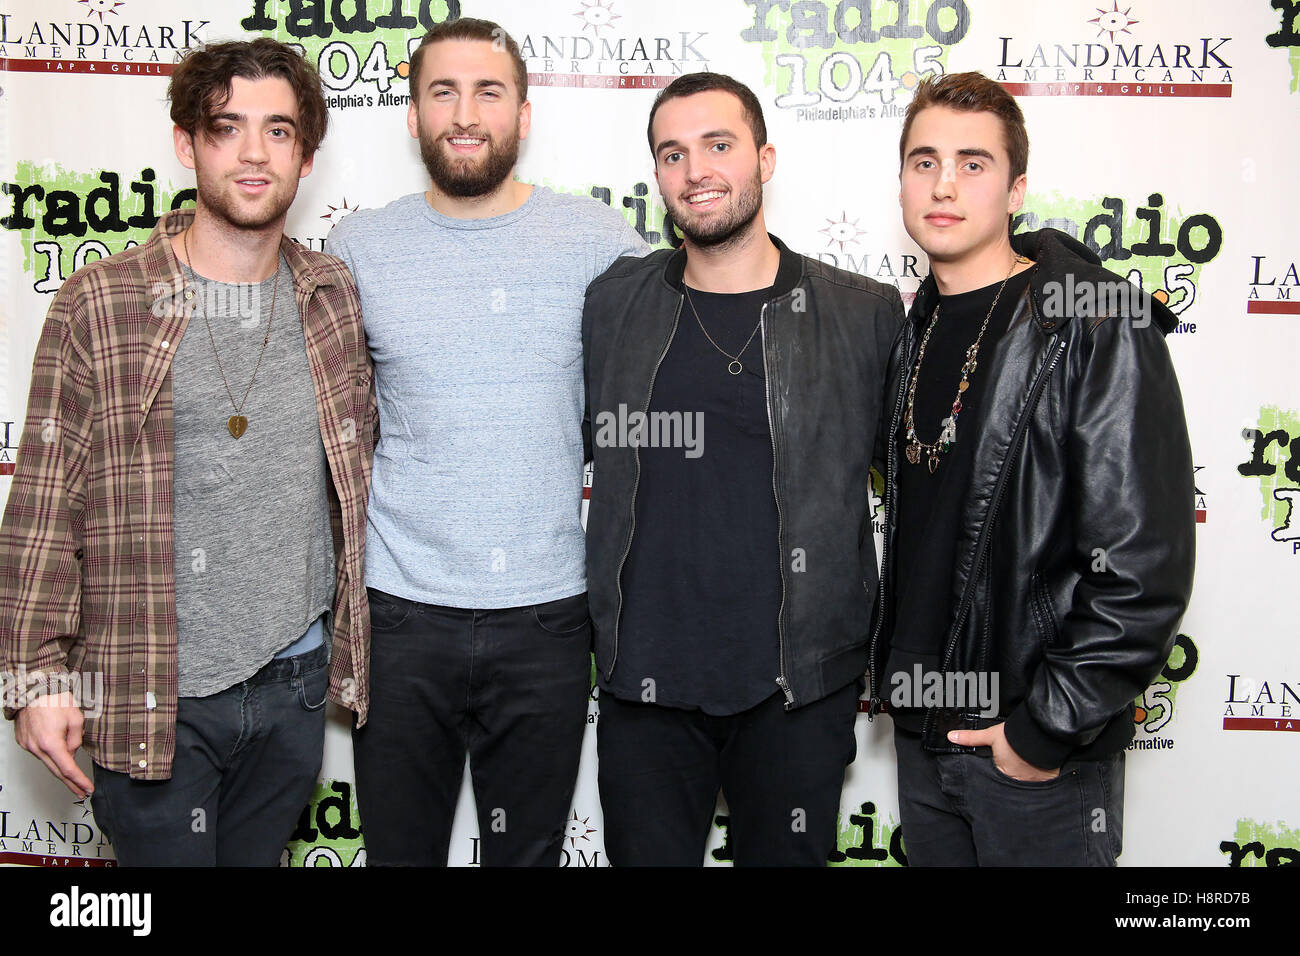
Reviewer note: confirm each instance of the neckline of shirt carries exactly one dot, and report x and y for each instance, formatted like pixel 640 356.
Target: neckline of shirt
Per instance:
pixel 526 208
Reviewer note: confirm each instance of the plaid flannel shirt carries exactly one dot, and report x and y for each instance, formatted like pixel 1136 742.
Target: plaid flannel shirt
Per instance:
pixel 87 579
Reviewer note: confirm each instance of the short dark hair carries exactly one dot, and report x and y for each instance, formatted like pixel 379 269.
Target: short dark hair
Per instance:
pixel 201 84
pixel 973 93
pixel 691 83
pixel 468 28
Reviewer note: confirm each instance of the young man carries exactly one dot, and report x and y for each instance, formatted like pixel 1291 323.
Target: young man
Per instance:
pixel 732 575
pixel 193 433
pixel 481 639
pixel 1038 551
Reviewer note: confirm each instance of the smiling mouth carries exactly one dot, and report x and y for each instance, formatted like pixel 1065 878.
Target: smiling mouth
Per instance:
pixel 466 142
pixel 704 198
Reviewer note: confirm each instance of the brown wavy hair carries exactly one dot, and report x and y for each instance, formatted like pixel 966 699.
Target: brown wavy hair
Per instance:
pixel 200 85
pixel 973 93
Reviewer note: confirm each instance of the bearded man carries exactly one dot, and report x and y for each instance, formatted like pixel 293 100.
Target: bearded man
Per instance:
pixel 732 578
pixel 481 639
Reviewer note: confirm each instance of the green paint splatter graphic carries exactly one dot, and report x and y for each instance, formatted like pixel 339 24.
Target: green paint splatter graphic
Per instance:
pixel 329 833
pixel 377 54
pixel 1255 840
pixel 1271 417
pixel 655 209
pixel 1071 215
pixel 79 201
pixel 855 844
pixel 1295 68
pixel 829 50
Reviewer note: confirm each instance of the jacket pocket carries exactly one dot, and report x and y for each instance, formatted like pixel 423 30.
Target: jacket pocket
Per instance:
pixel 1044 616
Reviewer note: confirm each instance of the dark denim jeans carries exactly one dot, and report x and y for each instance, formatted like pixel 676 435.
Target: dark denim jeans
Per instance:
pixel 781 771
pixel 246 763
pixel 961 810
pixel 510 687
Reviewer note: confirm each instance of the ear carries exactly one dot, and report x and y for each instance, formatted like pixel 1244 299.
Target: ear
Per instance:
pixel 184 144
pixel 1017 197
pixel 413 119
pixel 766 161
pixel 525 119
pixel 306 166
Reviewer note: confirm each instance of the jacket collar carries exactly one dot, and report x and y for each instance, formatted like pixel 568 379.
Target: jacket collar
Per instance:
pixel 788 273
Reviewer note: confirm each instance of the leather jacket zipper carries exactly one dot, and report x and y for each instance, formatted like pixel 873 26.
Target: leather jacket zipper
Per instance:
pixel 781 681
pixel 981 546
pixel 631 528
pixel 873 706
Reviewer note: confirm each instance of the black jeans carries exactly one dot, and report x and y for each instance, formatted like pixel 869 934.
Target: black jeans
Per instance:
pixel 510 686
pixel 961 810
pixel 781 772
pixel 246 763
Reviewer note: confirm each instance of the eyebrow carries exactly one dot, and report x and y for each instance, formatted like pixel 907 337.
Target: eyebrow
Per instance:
pixel 712 134
pixel 273 119
pixel 478 84
pixel 967 151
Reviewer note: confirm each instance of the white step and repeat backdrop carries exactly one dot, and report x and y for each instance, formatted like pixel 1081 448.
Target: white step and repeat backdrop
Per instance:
pixel 1163 134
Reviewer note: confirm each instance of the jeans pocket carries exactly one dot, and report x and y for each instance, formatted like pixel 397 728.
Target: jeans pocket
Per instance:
pixel 387 611
pixel 314 686
pixel 565 617
pixel 1061 777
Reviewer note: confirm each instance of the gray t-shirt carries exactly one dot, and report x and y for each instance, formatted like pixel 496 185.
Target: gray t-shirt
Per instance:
pixel 475 327
pixel 254 548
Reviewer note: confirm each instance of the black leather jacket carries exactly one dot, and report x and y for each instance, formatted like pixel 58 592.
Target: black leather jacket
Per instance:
pixel 1074 562
pixel 826 337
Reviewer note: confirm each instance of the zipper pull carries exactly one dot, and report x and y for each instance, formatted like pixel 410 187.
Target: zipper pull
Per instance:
pixel 785 687
pixel 873 708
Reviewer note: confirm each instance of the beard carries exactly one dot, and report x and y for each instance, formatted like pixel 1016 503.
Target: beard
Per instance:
pixel 726 228
pixel 220 198
pixel 467 178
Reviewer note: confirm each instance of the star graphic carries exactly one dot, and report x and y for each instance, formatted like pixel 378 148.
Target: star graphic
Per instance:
pixel 1113 21
pixel 102 7
pixel 338 213
pixel 576 830
pixel 842 231
pixel 595 15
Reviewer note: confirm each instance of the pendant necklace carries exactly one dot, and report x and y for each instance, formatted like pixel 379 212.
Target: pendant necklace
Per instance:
pixel 237 424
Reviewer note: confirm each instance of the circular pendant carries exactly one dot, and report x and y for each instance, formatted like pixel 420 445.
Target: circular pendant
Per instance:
pixel 735 368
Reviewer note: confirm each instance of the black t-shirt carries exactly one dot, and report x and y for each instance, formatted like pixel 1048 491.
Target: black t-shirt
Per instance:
pixel 930 505
pixel 702 581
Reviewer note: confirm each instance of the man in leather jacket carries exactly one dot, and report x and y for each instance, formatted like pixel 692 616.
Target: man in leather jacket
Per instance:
pixel 734 391
pixel 1040 528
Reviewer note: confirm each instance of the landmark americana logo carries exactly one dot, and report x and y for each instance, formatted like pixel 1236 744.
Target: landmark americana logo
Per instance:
pixel 1116 52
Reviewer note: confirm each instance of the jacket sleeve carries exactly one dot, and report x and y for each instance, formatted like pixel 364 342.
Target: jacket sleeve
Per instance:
pixel 892 367
pixel 587 452
pixel 41 535
pixel 1131 500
